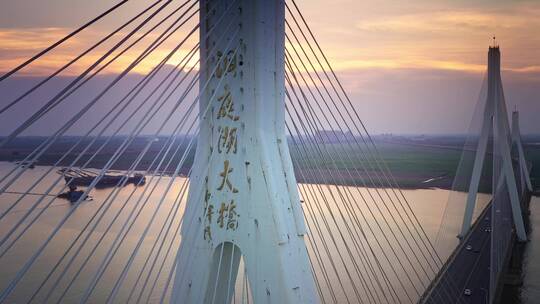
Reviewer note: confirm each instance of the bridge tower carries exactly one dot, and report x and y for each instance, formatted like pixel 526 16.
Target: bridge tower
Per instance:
pixel 516 142
pixel 243 202
pixel 495 120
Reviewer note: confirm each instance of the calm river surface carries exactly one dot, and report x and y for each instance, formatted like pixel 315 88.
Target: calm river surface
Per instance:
pixel 75 272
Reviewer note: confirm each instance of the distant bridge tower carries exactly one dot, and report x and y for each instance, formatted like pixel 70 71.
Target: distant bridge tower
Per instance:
pixel 243 201
pixel 495 120
pixel 516 142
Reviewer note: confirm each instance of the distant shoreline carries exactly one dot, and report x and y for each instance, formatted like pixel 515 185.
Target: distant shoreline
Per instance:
pixel 305 176
pixel 420 162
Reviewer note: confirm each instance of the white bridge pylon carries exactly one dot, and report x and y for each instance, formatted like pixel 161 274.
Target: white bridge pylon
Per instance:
pixel 243 201
pixel 495 120
pixel 516 142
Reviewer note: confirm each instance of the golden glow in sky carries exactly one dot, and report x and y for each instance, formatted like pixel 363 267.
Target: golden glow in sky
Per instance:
pixel 447 35
pixel 406 64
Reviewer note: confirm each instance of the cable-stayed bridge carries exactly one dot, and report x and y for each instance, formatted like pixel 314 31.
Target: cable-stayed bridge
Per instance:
pixel 219 216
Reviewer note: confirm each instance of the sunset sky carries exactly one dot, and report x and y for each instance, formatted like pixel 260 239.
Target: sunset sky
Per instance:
pixel 411 66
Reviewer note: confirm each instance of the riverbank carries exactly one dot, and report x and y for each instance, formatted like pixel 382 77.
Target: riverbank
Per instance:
pixel 428 162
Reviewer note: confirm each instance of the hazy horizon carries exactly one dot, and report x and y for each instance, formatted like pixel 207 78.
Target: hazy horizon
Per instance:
pixel 414 67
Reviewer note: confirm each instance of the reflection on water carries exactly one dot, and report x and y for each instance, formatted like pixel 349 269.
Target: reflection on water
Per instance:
pixel 131 203
pixel 400 267
pixel 150 266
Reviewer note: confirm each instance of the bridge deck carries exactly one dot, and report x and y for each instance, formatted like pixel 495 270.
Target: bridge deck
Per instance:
pixel 467 268
pixel 469 265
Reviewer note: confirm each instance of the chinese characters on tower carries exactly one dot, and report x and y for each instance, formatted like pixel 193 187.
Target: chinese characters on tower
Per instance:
pixel 220 211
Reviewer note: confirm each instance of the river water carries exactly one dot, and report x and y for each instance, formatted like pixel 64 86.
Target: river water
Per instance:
pixel 77 270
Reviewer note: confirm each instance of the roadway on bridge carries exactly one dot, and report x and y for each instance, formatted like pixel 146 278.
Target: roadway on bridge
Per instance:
pixel 468 268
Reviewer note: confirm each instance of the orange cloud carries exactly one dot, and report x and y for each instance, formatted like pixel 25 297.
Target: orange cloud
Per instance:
pixel 442 35
pixel 424 38
pixel 30 38
pixel 17 45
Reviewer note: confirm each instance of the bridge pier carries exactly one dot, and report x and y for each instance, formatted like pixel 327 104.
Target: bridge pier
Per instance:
pixel 512 280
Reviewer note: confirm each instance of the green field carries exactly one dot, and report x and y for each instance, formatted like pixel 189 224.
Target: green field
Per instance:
pixel 415 163
pixel 429 163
